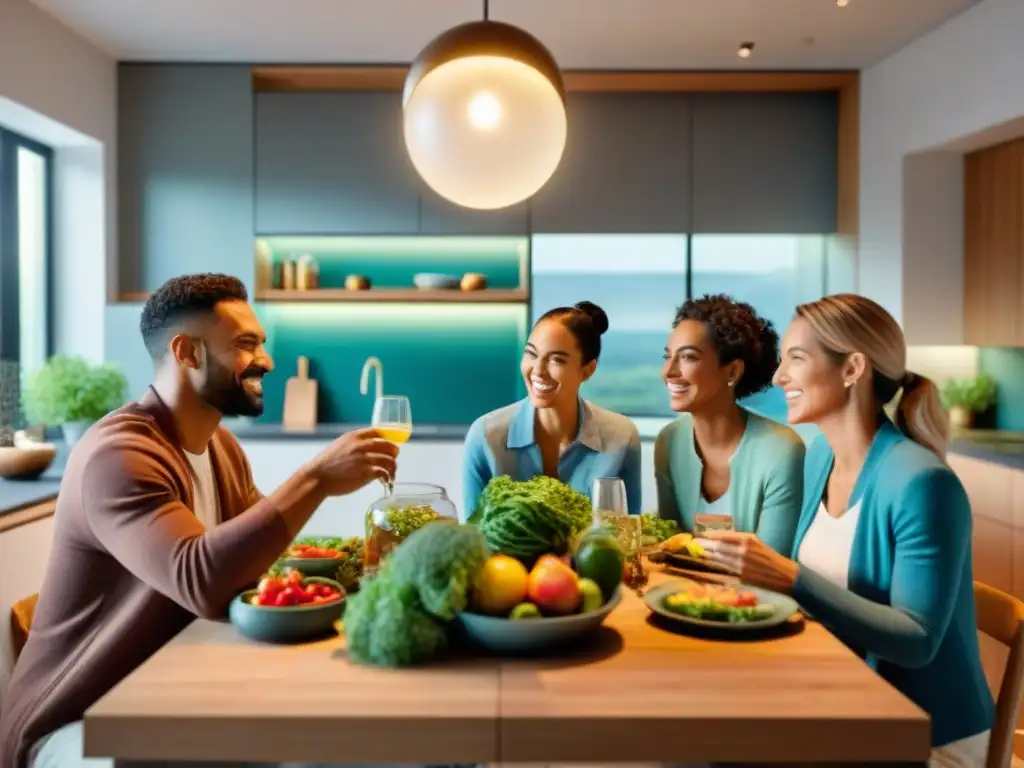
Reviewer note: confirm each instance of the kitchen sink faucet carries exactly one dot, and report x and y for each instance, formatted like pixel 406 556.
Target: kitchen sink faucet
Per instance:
pixel 371 363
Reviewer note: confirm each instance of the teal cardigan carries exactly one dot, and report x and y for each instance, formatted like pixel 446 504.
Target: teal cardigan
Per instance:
pixel 765 484
pixel 909 610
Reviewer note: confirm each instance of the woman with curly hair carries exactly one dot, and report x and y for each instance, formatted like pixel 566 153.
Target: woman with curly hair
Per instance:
pixel 718 460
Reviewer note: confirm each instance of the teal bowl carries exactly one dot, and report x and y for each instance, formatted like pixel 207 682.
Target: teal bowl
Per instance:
pixel 327 567
pixel 528 636
pixel 291 624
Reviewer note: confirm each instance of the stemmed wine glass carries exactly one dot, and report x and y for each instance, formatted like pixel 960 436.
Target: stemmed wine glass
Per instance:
pixel 608 502
pixel 392 418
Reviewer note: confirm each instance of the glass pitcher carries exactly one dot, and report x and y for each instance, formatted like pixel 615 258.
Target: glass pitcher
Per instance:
pixel 391 518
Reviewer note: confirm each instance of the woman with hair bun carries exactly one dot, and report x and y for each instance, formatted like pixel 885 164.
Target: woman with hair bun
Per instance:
pixel 554 431
pixel 718 461
pixel 883 547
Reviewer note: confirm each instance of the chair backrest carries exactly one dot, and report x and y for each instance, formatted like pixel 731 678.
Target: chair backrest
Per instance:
pixel 22 613
pixel 1001 617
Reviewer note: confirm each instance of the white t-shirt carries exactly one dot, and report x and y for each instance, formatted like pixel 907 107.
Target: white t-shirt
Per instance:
pixel 828 543
pixel 204 489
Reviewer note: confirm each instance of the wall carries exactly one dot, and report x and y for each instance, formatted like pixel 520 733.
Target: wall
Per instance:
pixel 61 90
pixel 956 89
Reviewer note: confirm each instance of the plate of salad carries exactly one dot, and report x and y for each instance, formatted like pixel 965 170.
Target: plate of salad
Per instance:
pixel 732 608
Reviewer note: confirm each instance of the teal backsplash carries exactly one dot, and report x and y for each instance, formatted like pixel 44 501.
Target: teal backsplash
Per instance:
pixel 391 262
pixel 1006 366
pixel 454 362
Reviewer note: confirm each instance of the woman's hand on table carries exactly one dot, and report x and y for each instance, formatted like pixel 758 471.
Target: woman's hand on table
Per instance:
pixel 753 561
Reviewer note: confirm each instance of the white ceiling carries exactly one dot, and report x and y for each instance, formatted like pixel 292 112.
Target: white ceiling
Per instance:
pixel 583 34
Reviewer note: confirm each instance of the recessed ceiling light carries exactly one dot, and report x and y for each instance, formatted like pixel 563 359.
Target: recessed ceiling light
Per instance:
pixel 842 3
pixel 745 50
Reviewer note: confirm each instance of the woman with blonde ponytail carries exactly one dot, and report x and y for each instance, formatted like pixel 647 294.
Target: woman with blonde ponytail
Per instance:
pixel 882 554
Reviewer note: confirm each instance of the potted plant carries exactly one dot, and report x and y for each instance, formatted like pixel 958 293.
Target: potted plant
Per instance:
pixel 70 393
pixel 967 397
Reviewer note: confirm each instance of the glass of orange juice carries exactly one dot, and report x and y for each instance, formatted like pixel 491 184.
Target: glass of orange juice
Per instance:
pixel 392 418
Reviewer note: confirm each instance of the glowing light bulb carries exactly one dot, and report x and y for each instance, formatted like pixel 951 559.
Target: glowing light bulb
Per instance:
pixel 485 111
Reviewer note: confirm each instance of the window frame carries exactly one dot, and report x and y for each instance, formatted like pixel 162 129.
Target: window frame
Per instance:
pixel 10 270
pixel 689 277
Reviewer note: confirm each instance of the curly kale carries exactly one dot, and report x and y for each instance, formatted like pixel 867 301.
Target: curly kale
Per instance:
pixel 442 559
pixel 529 518
pixel 386 625
pixel 655 529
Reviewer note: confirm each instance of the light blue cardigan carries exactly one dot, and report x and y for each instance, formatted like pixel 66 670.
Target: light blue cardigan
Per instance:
pixel 765 478
pixel 501 442
pixel 909 610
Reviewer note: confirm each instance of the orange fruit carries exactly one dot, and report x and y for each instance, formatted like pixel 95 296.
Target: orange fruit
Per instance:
pixel 501 585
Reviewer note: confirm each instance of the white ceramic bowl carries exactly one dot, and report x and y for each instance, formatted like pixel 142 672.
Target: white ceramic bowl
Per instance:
pixel 432 281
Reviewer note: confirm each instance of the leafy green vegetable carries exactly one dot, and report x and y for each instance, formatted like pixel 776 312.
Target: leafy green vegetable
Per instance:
pixel 530 518
pixel 404 520
pixel 442 559
pixel 655 530
pixel 707 609
pixel 386 625
pixel 399 616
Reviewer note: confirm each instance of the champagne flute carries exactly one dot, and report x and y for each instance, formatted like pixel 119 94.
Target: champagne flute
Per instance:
pixel 392 418
pixel 608 502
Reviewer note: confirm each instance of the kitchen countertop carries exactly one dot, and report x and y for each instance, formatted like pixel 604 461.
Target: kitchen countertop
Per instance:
pixel 16 495
pixel 997 446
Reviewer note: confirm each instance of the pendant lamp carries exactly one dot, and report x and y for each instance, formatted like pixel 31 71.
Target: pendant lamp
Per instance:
pixel 484 114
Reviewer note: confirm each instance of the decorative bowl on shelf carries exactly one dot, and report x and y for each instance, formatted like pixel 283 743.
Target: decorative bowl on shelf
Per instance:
pixel 432 281
pixel 290 623
pixel 524 636
pixel 26 461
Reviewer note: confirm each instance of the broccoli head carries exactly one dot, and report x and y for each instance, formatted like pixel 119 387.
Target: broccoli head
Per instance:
pixel 442 559
pixel 386 625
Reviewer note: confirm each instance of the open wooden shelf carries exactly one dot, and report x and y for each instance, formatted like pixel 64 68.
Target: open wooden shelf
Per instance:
pixel 489 296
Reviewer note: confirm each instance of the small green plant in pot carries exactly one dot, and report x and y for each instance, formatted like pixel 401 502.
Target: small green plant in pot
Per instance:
pixel 966 397
pixel 70 393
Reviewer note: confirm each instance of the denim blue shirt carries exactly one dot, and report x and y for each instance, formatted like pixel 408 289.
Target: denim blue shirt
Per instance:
pixel 502 443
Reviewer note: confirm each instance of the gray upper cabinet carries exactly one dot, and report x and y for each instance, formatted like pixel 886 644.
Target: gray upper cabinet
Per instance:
pixel 185 173
pixel 765 163
pixel 626 166
pixel 333 163
pixel 438 216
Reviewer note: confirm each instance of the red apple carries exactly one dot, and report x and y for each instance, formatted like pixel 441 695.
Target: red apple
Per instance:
pixel 554 588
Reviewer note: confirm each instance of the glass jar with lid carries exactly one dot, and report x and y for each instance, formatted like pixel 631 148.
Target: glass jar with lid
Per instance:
pixel 390 519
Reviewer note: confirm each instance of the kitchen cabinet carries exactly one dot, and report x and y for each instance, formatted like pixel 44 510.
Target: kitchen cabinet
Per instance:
pixel 333 163
pixel 765 163
pixel 185 172
pixel 994 246
pixel 996 494
pixel 438 216
pixel 626 167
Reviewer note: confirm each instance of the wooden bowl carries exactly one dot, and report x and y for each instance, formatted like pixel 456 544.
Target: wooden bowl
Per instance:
pixel 26 462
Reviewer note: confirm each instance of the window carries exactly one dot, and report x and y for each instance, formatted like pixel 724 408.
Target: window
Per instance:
pixel 640 281
pixel 25 246
pixel 772 273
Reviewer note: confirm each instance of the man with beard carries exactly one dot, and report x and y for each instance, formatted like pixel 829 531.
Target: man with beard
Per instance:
pixel 158 520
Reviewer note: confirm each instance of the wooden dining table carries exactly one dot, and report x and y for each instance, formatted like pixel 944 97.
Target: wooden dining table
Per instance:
pixel 640 691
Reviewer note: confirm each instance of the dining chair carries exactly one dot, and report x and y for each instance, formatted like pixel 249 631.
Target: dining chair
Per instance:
pixel 22 613
pixel 1001 617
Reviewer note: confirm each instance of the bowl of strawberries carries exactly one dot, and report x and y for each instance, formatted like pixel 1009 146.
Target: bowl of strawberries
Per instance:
pixel 291 608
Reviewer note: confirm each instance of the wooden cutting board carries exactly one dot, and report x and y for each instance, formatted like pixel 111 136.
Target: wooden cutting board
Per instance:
pixel 300 400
